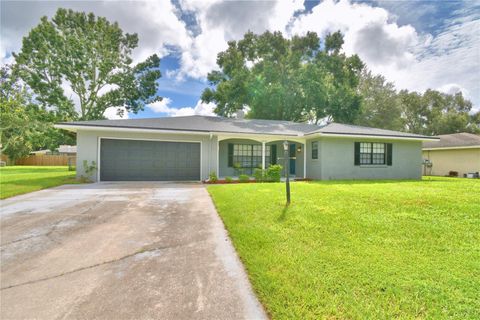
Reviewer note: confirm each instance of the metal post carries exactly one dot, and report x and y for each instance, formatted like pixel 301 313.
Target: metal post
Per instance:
pixel 287 169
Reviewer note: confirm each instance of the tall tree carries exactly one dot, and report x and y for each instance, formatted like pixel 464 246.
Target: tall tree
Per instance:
pixel 436 113
pixel 447 113
pixel 24 126
pixel 414 112
pixel 286 79
pixel 92 58
pixel 381 106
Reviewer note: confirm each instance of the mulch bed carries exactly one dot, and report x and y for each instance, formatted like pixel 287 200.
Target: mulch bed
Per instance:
pixel 249 181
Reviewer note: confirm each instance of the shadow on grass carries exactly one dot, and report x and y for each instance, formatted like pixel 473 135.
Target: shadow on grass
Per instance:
pixel 283 216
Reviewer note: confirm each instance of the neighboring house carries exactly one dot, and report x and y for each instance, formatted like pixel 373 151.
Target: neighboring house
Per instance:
pixel 458 152
pixel 61 150
pixel 189 148
pixel 67 150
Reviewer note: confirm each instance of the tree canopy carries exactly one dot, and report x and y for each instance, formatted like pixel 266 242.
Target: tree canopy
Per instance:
pixel 434 113
pixel 430 113
pixel 24 125
pixel 380 107
pixel 90 57
pixel 294 79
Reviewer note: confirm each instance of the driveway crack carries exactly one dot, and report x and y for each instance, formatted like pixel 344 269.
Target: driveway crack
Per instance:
pixel 143 250
pixel 54 227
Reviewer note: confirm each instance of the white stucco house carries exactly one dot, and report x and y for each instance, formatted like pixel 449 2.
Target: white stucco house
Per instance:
pixel 191 147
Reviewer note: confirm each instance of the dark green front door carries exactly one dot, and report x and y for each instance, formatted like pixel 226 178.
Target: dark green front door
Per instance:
pixel 292 153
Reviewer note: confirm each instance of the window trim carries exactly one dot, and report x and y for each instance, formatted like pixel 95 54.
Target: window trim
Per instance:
pixel 268 158
pixel 316 149
pixel 371 148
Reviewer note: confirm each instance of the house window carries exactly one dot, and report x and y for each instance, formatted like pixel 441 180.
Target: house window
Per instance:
pixel 315 150
pixel 372 153
pixel 250 155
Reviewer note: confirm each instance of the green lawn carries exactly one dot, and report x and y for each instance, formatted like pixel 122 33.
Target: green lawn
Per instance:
pixel 17 180
pixel 359 249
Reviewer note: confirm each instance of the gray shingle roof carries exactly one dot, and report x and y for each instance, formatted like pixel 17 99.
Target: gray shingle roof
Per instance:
pixel 349 129
pixel 206 124
pixel 454 140
pixel 231 125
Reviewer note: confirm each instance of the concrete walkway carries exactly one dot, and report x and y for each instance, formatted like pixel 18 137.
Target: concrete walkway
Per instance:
pixel 120 251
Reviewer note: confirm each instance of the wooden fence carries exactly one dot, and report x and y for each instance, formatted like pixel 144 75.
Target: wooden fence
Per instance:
pixel 47 160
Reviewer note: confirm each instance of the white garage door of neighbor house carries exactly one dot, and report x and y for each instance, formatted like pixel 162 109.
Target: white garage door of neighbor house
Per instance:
pixel 142 160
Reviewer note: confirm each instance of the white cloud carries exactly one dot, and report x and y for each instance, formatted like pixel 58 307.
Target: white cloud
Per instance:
pixel 161 106
pixel 222 21
pixel 201 108
pixel 195 31
pixel 453 88
pixel 368 32
pixel 450 58
pixel 156 22
pixel 412 60
pixel 116 113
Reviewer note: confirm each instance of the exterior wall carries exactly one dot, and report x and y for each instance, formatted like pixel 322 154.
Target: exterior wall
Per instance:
pixel 87 147
pixel 461 160
pixel 336 160
pixel 226 171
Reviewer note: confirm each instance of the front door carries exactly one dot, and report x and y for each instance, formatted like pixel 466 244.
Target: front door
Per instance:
pixel 292 155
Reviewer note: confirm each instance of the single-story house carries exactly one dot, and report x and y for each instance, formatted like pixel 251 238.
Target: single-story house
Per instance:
pixel 458 152
pixel 191 147
pixel 63 149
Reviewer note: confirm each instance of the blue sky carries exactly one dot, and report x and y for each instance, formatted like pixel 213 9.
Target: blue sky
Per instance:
pixel 414 44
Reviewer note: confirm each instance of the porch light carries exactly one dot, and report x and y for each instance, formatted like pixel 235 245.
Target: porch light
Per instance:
pixel 299 148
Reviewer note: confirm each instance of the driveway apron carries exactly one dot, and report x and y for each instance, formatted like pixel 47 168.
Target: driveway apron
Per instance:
pixel 127 250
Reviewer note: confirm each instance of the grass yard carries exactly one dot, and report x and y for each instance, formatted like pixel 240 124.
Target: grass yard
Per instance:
pixel 15 180
pixel 359 249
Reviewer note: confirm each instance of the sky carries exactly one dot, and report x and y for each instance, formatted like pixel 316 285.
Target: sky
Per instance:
pixel 415 44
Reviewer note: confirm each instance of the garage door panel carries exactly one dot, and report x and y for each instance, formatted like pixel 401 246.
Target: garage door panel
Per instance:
pixel 139 160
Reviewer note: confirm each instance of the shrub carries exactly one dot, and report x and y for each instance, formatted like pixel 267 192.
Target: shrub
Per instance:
pixel 243 178
pixel 274 173
pixel 259 175
pixel 89 170
pixel 237 168
pixel 212 177
pixel 453 173
pixel 228 179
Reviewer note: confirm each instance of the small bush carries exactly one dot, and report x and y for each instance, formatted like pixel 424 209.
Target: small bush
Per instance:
pixel 274 173
pixel 243 178
pixel 212 177
pixel 453 173
pixel 228 179
pixel 259 175
pixel 89 170
pixel 237 168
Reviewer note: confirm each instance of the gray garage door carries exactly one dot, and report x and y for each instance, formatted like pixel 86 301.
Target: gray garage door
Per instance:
pixel 135 160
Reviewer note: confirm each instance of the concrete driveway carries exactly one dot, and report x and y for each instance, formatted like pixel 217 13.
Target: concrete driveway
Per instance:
pixel 120 251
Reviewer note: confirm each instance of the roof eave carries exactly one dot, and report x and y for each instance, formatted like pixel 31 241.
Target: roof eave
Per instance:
pixel 76 127
pixel 375 136
pixel 450 148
